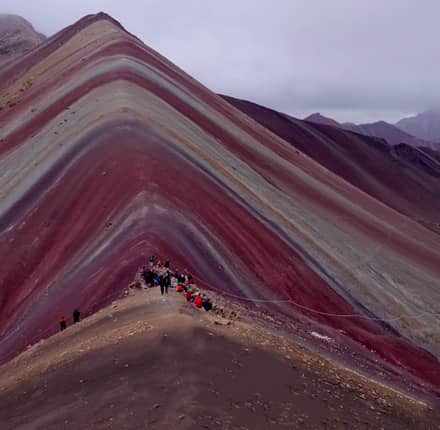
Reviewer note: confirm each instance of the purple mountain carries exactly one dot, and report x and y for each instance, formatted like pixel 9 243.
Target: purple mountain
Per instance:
pixel 425 125
pixel 381 129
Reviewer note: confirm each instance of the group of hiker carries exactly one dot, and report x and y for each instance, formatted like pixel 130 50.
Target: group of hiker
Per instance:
pixel 200 300
pixel 185 284
pixel 63 320
pixel 152 278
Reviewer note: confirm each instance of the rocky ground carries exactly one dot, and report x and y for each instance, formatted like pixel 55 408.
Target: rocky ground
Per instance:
pixel 156 362
pixel 17 36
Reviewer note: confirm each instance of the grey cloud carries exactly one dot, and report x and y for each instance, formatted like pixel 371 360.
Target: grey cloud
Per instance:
pixel 354 60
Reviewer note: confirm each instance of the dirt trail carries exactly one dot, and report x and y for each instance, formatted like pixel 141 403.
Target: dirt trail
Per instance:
pixel 152 362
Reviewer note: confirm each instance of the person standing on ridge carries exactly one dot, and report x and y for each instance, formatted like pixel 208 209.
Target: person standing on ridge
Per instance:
pixel 76 315
pixel 189 296
pixel 151 260
pixel 63 323
pixel 198 301
pixel 167 282
pixel 161 282
pixel 207 305
pixel 149 278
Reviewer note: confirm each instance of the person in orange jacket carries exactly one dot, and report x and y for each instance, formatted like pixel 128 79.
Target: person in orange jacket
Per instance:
pixel 198 301
pixel 63 323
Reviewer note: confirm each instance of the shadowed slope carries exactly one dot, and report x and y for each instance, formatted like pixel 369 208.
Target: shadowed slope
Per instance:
pixel 158 362
pixel 114 154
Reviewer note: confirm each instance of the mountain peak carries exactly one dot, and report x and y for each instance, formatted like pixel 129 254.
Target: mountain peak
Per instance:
pixel 425 125
pixel 17 36
pixel 102 16
pixel 317 118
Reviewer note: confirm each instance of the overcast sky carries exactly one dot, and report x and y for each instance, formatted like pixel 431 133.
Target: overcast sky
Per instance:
pixel 353 60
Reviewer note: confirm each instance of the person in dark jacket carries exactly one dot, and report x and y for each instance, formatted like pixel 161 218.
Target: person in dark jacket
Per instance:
pixel 161 282
pixel 167 283
pixel 149 278
pixel 207 305
pixel 76 315
pixel 63 323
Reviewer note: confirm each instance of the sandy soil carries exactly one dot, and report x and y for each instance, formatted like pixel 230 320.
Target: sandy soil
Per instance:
pixel 152 362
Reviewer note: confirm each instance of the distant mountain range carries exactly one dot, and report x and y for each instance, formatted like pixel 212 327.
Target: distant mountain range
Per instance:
pixel 17 36
pixel 412 131
pixel 425 125
pixel 389 132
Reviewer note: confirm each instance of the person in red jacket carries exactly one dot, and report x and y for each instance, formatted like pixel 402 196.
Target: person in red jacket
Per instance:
pixel 198 301
pixel 63 323
pixel 188 295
